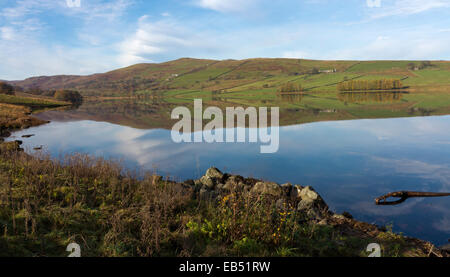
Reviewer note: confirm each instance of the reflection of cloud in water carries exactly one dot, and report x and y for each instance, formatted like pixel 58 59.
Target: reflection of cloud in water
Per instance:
pixel 385 129
pixel 427 171
pixel 146 147
pixel 443 225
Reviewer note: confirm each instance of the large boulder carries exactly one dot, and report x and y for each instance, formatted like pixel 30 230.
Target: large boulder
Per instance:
pixel 311 204
pixel 214 173
pixel 212 177
pixel 265 188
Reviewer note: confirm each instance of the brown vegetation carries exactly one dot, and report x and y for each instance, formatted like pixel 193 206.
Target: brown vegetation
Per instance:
pixel 13 117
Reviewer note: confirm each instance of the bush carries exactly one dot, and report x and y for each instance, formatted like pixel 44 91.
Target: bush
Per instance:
pixel 6 88
pixel 290 87
pixel 68 95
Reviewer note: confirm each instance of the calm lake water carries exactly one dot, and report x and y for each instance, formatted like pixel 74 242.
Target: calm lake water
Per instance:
pixel 349 163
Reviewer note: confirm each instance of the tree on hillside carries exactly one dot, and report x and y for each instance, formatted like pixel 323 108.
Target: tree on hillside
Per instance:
pixel 315 70
pixel 6 88
pixel 363 85
pixel 69 96
pixel 290 87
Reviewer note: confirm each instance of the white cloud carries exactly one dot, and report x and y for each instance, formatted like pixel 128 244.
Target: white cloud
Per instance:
pixel 226 5
pixel 399 45
pixel 163 40
pixel 27 7
pixel 97 23
pixel 7 33
pixel 92 9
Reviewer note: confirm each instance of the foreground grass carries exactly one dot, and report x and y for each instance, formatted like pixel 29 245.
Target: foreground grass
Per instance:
pixel 46 204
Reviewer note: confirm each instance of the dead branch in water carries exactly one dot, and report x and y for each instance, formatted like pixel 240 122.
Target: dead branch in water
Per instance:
pixel 404 195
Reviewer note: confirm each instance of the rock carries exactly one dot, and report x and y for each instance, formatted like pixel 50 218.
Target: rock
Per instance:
pixel 234 183
pixel 286 189
pixel 339 216
pixel 312 204
pixel 347 215
pixel 272 189
pixel 295 192
pixel 214 173
pixel 212 177
pixel 308 194
pixel 208 182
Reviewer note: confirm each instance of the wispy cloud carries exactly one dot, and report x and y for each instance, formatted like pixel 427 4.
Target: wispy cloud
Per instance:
pixel 407 7
pixel 88 9
pixel 163 39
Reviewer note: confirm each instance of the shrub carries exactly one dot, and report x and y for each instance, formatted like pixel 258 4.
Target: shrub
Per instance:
pixel 6 88
pixel 68 95
pixel 290 87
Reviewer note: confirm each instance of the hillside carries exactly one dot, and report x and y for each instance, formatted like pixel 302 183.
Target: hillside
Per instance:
pixel 244 75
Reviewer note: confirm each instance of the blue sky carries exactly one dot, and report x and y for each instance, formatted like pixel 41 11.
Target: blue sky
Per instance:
pixel 49 37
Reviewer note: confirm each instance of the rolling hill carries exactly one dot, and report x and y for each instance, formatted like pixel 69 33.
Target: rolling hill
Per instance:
pixel 188 74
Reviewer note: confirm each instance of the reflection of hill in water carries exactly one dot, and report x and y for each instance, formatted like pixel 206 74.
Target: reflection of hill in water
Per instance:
pixel 155 112
pixel 138 113
pixel 380 97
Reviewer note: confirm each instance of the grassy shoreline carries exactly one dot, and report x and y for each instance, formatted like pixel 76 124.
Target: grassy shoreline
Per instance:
pixel 47 204
pixel 15 112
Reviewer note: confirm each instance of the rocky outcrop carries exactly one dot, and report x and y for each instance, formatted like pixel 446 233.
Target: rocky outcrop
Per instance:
pixel 215 183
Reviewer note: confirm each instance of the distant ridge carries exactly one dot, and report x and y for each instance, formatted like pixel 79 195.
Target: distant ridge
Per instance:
pixel 210 75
